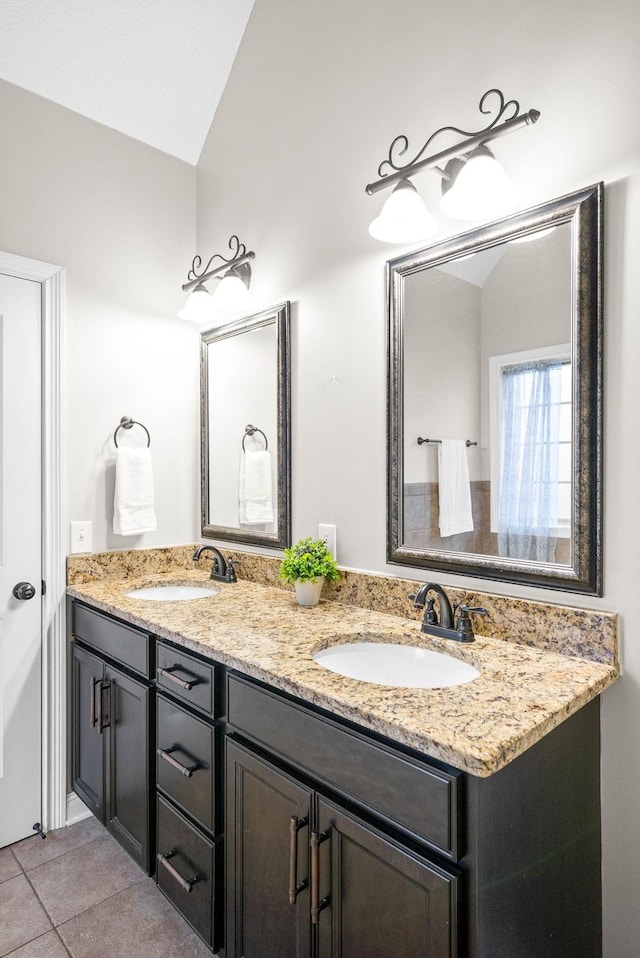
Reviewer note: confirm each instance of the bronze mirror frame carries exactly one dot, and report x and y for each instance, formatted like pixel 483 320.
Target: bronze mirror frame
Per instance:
pixel 279 316
pixel 583 209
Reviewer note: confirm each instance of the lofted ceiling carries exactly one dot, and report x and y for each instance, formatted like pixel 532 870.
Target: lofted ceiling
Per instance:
pixel 152 69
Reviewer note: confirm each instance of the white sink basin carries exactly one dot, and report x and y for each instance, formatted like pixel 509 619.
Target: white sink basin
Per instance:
pixel 403 666
pixel 172 593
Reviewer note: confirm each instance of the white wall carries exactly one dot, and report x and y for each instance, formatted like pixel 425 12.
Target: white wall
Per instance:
pixel 441 362
pixel 317 93
pixel 120 218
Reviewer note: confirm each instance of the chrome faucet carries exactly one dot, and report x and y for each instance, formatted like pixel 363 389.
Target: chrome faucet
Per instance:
pixel 447 627
pixel 221 570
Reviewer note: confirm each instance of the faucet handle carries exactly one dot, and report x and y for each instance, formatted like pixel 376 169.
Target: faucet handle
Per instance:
pixel 412 598
pixel 464 627
pixel 430 615
pixel 479 609
pixel 231 572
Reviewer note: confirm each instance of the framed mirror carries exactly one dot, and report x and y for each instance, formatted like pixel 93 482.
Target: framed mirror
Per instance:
pixel 245 387
pixel 495 400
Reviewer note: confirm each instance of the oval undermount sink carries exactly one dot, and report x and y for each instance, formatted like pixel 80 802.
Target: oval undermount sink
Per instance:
pixel 403 666
pixel 172 593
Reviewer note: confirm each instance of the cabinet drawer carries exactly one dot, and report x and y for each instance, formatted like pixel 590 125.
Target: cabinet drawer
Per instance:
pixel 420 799
pixel 124 643
pixel 185 761
pixel 186 871
pixel 187 678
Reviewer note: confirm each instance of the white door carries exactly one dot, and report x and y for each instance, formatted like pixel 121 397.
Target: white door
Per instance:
pixel 20 558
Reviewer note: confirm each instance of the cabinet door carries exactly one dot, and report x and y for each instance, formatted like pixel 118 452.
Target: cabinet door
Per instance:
pixel 128 778
pixel 376 898
pixel 87 735
pixel 268 860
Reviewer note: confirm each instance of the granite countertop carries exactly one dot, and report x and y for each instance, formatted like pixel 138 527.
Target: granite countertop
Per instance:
pixel 521 694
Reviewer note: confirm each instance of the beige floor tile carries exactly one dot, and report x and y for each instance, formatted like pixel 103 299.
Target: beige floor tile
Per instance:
pixel 22 918
pixel 138 921
pixel 48 946
pixel 9 867
pixel 193 947
pixel 33 851
pixel 81 878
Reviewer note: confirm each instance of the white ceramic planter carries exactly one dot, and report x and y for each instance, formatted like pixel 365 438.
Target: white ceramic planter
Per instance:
pixel 308 593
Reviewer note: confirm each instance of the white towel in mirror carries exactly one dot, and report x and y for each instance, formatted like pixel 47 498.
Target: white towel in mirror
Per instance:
pixel 133 507
pixel 454 490
pixel 255 498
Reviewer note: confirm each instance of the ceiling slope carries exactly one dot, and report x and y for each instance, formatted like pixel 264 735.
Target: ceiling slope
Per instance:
pixel 152 69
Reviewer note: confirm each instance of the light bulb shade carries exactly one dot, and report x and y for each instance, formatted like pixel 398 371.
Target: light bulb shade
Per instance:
pixel 404 218
pixel 232 296
pixel 197 308
pixel 478 189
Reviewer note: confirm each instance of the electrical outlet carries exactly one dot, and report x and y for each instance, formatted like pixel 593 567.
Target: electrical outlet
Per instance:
pixel 81 536
pixel 328 533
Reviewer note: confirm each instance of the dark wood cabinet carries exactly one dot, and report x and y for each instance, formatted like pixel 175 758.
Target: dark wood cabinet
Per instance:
pixel 128 781
pixel 189 783
pixel 268 861
pixel 323 881
pixel 378 892
pixel 400 855
pixel 111 741
pixel 88 748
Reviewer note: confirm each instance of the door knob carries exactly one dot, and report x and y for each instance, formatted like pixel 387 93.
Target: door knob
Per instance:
pixel 24 590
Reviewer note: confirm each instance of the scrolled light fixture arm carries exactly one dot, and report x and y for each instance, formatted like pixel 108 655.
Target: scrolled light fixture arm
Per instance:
pixel 240 257
pixel 514 120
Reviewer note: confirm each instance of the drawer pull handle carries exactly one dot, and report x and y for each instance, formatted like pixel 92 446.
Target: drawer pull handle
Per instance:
pixel 186 684
pixel 92 702
pixel 317 904
pixel 295 886
pixel 185 883
pixel 102 687
pixel 186 770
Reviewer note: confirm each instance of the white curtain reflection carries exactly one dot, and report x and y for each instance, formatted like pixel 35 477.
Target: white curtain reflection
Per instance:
pixel 528 495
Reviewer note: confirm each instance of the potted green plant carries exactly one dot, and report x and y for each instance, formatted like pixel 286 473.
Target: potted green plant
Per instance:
pixel 306 565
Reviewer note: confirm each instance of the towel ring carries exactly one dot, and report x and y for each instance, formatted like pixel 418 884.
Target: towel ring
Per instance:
pixel 126 423
pixel 249 431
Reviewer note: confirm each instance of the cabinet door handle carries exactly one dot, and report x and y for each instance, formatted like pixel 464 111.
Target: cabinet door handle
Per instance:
pixel 295 886
pixel 183 683
pixel 92 701
pixel 317 904
pixel 185 883
pixel 186 770
pixel 102 687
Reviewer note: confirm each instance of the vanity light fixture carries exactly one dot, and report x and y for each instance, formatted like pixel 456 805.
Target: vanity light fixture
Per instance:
pixel 474 185
pixel 232 293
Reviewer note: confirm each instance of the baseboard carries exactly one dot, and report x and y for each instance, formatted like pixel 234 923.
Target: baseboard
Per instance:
pixel 76 809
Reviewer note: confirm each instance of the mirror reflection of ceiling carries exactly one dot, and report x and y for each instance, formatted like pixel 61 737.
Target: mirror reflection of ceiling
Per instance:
pixel 138 66
pixel 478 267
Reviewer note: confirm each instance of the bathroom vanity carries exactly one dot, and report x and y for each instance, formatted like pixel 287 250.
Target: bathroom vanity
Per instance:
pixel 337 817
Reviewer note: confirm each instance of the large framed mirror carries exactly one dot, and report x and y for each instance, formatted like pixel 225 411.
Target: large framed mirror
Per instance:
pixel 245 387
pixel 495 399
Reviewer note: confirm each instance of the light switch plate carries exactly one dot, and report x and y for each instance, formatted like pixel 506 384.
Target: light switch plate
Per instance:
pixel 328 533
pixel 81 536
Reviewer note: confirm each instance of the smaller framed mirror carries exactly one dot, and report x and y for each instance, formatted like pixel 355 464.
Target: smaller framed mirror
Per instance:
pixel 495 399
pixel 245 388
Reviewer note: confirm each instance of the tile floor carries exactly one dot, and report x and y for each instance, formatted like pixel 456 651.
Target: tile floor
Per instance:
pixel 79 894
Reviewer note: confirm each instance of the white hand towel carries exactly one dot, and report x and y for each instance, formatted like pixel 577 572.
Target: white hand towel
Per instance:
pixel 133 511
pixel 454 491
pixel 255 487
